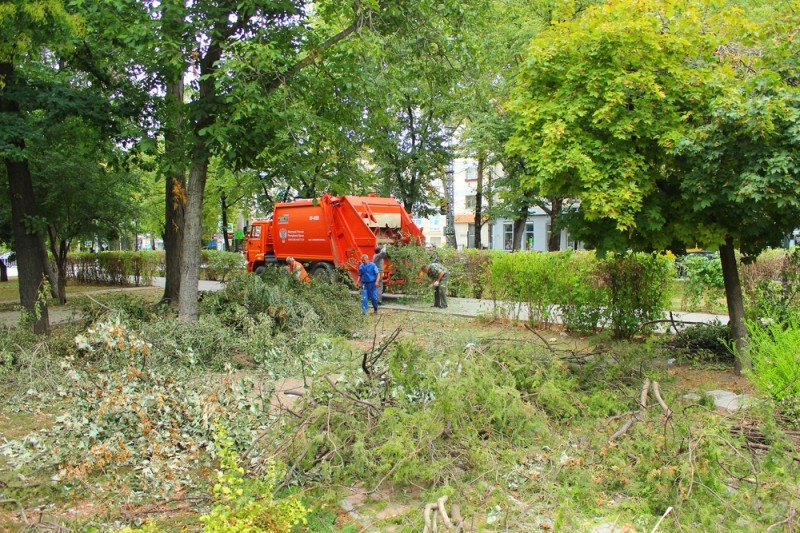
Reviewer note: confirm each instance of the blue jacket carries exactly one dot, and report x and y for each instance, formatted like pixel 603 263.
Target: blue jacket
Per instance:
pixel 367 273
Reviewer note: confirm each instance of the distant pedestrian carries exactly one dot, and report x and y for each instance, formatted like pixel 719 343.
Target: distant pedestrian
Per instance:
pixel 380 255
pixel 438 275
pixel 297 268
pixel 368 281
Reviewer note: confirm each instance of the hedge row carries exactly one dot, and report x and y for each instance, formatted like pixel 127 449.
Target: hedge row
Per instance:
pixel 139 268
pixel 584 293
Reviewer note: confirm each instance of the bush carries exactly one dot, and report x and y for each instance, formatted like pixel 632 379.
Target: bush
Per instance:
pixel 637 290
pixel 703 343
pixel 220 264
pixel 468 271
pixel 703 280
pixel 773 351
pixel 581 295
pixel 114 268
pixel 771 285
pixel 532 279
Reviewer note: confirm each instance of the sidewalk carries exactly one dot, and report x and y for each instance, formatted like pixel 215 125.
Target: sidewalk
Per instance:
pixel 465 307
pixel 471 307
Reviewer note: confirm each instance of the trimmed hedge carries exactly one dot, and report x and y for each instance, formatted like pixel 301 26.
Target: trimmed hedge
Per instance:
pixel 115 268
pixel 585 293
pixel 139 268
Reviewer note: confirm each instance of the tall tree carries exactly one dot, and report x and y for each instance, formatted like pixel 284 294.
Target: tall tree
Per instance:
pixel 673 122
pixel 28 29
pixel 81 188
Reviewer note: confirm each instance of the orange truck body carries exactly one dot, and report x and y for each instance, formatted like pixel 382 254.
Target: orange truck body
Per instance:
pixel 331 232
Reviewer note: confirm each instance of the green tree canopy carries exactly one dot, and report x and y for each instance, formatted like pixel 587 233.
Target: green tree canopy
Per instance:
pixel 673 122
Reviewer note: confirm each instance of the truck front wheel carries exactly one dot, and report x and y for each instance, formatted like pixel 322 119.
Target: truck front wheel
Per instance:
pixel 260 269
pixel 324 272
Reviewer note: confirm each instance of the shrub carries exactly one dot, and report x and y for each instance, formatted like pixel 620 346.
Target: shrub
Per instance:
pixel 771 285
pixel 773 350
pixel 530 278
pixel 247 504
pixel 703 343
pixel 220 264
pixel 637 290
pixel 703 280
pixel 468 270
pixel 114 268
pixel 581 295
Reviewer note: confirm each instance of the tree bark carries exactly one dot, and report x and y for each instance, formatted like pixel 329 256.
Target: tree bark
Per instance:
pixel 59 250
pixel 190 255
pixel 175 195
pixel 3 271
pixel 29 244
pixel 554 240
pixel 735 301
pixel 224 207
pixel 479 204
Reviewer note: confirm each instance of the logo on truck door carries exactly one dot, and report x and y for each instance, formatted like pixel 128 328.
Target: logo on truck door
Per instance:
pixel 282 234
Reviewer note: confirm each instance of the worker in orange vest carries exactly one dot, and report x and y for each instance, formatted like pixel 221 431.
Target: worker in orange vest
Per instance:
pixel 296 268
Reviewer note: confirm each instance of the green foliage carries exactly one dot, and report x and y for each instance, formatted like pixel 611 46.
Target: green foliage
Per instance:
pixel 149 428
pixel 276 297
pixel 773 352
pixel 532 279
pixel 220 264
pixel 703 343
pixel 771 285
pixel 703 280
pixel 406 264
pixel 637 290
pixel 468 269
pixel 582 291
pixel 247 505
pixel 114 268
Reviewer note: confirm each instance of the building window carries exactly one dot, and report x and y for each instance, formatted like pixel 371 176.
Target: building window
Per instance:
pixel 471 174
pixel 471 235
pixel 528 237
pixel 508 237
pixel 470 202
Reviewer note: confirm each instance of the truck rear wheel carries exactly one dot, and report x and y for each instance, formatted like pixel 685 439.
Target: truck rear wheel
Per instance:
pixel 260 269
pixel 324 272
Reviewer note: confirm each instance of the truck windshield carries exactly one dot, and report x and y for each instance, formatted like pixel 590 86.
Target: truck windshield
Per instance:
pixel 255 232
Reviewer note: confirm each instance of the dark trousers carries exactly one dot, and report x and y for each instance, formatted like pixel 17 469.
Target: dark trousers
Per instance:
pixel 440 295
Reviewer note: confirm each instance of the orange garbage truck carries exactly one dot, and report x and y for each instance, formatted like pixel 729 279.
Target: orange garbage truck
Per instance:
pixel 330 232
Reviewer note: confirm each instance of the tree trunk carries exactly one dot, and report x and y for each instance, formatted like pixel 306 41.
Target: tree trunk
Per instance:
pixel 479 204
pixel 30 248
pixel 225 222
pixel 735 301
pixel 32 269
pixel 59 251
pixel 3 271
pixel 175 193
pixel 190 256
pixel 554 240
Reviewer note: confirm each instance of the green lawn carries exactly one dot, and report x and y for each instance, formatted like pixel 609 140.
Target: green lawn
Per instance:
pixel 9 291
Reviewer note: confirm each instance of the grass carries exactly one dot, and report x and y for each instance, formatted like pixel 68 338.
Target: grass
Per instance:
pixel 9 292
pixel 566 476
